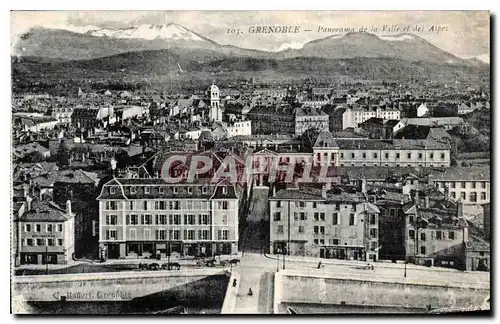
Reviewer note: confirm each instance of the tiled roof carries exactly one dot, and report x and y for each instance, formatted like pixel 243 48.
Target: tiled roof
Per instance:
pixel 476 173
pixel 45 212
pixel 159 189
pixel 405 144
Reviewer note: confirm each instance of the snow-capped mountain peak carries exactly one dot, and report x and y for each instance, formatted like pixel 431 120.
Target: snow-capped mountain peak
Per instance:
pixel 397 38
pixel 171 31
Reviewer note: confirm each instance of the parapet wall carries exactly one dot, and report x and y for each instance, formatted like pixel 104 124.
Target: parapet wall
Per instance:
pixel 358 291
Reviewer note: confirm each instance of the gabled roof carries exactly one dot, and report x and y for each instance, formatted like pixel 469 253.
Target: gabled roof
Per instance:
pixel 325 139
pixel 45 212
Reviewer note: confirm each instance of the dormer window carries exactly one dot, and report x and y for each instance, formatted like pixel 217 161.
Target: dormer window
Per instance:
pixel 176 190
pixel 112 190
pixel 147 190
pixel 161 190
pixel 190 190
pixel 204 190
pixel 224 190
pixel 132 190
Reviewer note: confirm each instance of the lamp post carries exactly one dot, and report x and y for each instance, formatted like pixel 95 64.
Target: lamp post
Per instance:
pixel 284 253
pixel 278 251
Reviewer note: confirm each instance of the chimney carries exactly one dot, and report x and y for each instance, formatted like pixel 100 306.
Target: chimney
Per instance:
pixel 68 206
pixel 274 190
pixel 460 210
pixel 363 185
pixel 417 198
pixel 323 191
pixel 426 201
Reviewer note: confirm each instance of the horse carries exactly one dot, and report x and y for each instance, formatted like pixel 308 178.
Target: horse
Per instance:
pixel 174 265
pixel 154 266
pixel 234 261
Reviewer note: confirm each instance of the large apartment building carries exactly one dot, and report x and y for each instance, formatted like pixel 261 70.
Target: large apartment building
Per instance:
pixel 324 223
pixel 310 117
pixel 470 185
pixel 396 152
pixel 146 217
pixel 44 234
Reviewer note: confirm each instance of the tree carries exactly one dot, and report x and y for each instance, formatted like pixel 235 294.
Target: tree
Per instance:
pixel 63 155
pixel 309 137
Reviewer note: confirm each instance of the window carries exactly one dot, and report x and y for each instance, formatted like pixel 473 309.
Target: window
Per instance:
pixel 316 216
pixel 364 155
pixel 412 219
pixel 132 234
pixel 175 205
pixel 473 197
pixel 352 155
pixel 161 190
pixel 223 205
pixel 334 241
pixel 147 189
pixel 386 155
pixel 303 216
pixel 462 195
pixel 147 219
pixel 176 234
pixel 316 229
pixel 351 219
pixel 59 242
pixel 483 185
pixel 38 228
pixel 316 241
pixel 420 156
pixel 397 155
pixel 204 190
pixel 373 233
pixel 111 234
pixel 112 190
pixel 453 195
pixel 409 155
pixel 422 250
pixel 278 204
pixel 451 235
pixel 335 219
pixel 189 219
pixel 131 205
pixel 422 236
pixel 453 185
pixel 111 219
pixel 161 234
pixel 473 184
pixel 175 219
pixel 431 156
pixel 463 184
pixel 443 156
pixel 337 206
pixel 277 216
pixel 302 204
pixel 280 229
pixel 224 190
pixel 27 227
pixel 161 219
pixel 341 155
pixel 321 241
pixel 176 190
pixel 439 235
pixel 205 219
pixel 204 235
pixel 483 195
pixel 134 219
pixel 29 242
pixel 301 229
pixel 145 205
pixel 49 228
pixel 315 204
pixel 411 234
pixel 40 242
pixel 50 242
pixel 322 216
pixel 223 234
pixel 322 229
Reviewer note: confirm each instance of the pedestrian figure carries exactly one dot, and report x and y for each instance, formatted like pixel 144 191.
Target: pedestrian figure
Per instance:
pixel 234 282
pixel 319 264
pixel 250 293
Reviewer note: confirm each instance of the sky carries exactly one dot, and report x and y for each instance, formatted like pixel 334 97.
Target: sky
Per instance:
pixel 463 33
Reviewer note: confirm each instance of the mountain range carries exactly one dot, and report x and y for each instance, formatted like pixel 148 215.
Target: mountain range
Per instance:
pixel 153 48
